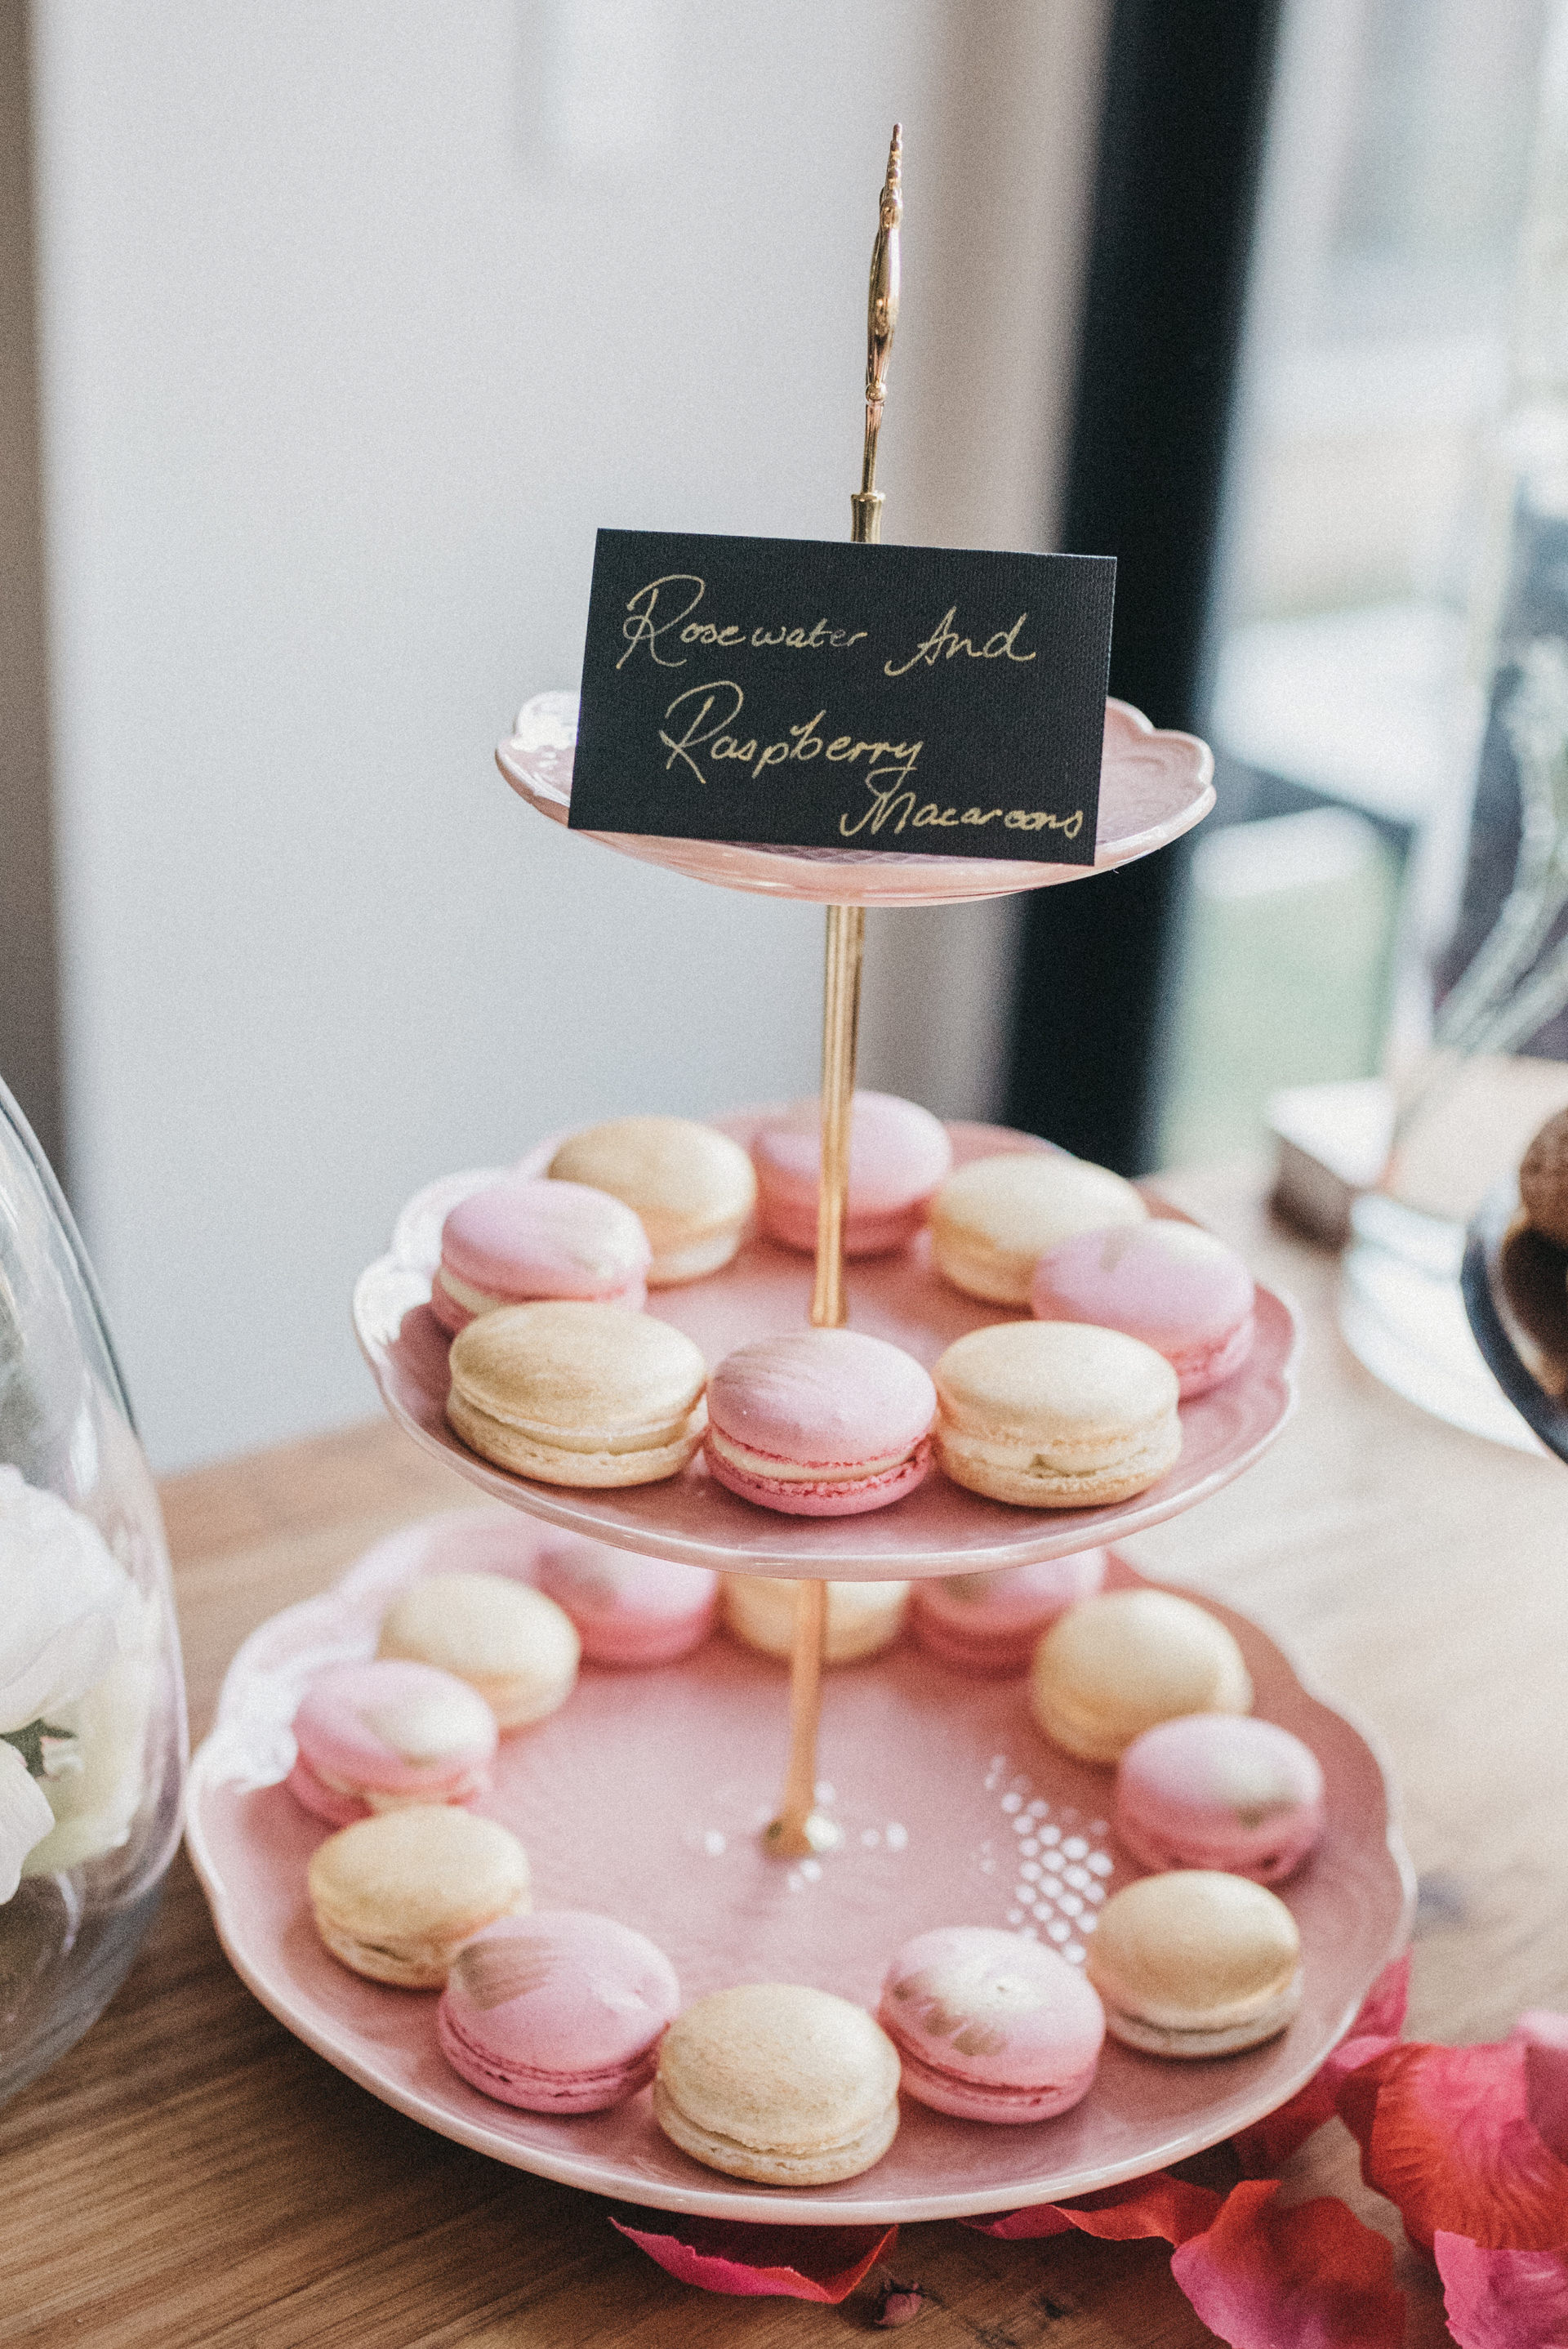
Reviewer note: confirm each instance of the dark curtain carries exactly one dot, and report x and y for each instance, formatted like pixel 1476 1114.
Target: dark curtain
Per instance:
pixel 1186 98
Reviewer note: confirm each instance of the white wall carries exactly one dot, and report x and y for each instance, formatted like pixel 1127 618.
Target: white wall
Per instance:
pixel 358 316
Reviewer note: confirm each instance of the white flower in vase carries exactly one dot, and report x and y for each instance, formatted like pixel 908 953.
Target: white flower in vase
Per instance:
pixel 74 1685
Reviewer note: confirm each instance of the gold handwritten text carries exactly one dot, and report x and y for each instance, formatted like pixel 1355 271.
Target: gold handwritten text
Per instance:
pixel 890 802
pixel 705 720
pixel 645 624
pixel 944 642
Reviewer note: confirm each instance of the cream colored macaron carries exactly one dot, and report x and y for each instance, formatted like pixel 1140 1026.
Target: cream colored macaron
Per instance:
pixel 693 1189
pixel 578 1394
pixel 394 1897
pixel 993 1219
pixel 1114 1665
pixel 1054 1414
pixel 511 1643
pixel 864 1618
pixel 776 2082
pixel 1195 1963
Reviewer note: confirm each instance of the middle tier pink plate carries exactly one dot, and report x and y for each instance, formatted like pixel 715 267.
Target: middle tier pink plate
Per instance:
pixel 938 1529
pixel 643 1797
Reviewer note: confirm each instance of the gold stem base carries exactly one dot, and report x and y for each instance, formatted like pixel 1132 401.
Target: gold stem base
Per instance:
pixel 799 1830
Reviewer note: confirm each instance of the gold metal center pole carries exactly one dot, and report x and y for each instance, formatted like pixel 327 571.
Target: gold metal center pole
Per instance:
pixel 799 1828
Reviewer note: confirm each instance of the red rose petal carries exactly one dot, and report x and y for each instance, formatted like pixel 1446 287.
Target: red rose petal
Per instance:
pixel 1157 2205
pixel 1383 2008
pixel 1309 2277
pixel 1264 2149
pixel 1502 2300
pixel 1445 2134
pixel 1546 2039
pixel 763 2262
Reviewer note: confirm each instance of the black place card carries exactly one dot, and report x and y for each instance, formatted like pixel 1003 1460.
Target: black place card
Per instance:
pixel 815 694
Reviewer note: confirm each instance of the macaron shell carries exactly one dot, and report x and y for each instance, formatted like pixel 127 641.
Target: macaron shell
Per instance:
pixel 992 1220
pixel 1196 1951
pixel 991 2024
pixel 561 2011
pixel 1114 1665
pixel 394 1897
pixel 1216 1791
pixel 630 1610
pixel 525 1239
pixel 779 2083
pixel 688 1183
pixel 509 1642
pixel 1054 1414
pixel 380 1733
pixel 830 1396
pixel 899 1154
pixel 1177 1288
pixel 864 1618
pixel 990 1623
pixel 578 1394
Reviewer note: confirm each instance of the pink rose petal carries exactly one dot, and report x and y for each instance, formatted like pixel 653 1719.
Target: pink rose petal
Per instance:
pixel 1545 2038
pixel 1309 2277
pixel 1156 2205
pixel 1445 2134
pixel 763 2262
pixel 1502 2300
pixel 1264 2149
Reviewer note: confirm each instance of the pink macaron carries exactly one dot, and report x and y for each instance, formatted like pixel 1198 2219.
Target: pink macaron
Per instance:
pixel 558 2013
pixel 630 1610
pixel 900 1155
pixel 518 1240
pixel 1224 1791
pixel 991 1623
pixel 383 1735
pixel 820 1423
pixel 990 2025
pixel 1178 1288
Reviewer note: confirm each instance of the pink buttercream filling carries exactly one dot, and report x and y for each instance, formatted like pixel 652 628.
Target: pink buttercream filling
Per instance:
pixel 536 2090
pixel 838 1495
pixel 949 2091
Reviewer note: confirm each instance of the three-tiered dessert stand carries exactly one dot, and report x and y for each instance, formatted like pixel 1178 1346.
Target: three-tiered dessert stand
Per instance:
pixel 930 1798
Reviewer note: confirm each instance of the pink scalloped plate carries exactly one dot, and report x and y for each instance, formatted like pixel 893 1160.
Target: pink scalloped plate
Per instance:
pixel 1153 787
pixel 642 1797
pixel 938 1529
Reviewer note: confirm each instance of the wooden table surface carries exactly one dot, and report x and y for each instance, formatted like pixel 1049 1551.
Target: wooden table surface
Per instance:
pixel 190 2175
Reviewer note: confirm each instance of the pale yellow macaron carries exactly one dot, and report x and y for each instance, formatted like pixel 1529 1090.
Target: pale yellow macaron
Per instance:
pixel 511 1643
pixel 782 2085
pixel 1194 1963
pixel 578 1394
pixel 993 1219
pixel 693 1189
pixel 1114 1665
pixel 395 1896
pixel 864 1618
pixel 1054 1414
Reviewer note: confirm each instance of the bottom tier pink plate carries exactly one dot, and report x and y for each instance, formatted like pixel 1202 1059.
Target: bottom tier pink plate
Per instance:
pixel 642 1796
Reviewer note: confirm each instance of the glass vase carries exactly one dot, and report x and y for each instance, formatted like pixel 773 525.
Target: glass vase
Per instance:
pixel 92 1707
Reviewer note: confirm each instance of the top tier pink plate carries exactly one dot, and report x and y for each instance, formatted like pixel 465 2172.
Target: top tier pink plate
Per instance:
pixel 1153 787
pixel 938 1529
pixel 642 1797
